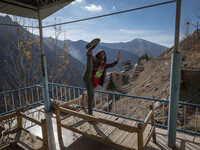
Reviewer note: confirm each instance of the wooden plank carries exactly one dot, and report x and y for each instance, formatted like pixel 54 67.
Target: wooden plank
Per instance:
pixel 19 118
pixel 8 116
pixel 103 127
pixel 148 136
pixel 129 138
pixel 89 127
pixel 45 134
pixel 117 132
pixel 101 120
pixel 124 136
pixel 57 109
pixel 149 116
pixel 71 120
pixel 71 102
pixel 31 119
pixel 153 124
pixel 147 131
pixel 110 129
pixel 140 142
pixel 83 100
pixel 133 143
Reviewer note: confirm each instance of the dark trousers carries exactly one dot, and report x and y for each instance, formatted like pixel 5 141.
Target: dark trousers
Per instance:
pixel 87 78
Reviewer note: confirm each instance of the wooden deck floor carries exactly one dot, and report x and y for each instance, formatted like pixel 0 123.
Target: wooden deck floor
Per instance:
pixel 105 133
pixel 74 141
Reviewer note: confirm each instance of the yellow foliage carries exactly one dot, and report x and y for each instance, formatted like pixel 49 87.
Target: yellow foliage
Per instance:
pixel 28 54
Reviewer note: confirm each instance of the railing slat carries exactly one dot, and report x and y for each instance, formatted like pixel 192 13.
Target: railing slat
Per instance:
pixel 13 101
pixel 196 128
pixel 5 101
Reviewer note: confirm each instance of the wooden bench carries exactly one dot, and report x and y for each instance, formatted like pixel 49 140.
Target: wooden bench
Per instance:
pixel 109 129
pixel 20 138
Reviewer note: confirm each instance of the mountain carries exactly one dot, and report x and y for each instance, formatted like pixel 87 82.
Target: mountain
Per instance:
pixel 153 81
pixel 138 47
pixel 78 51
pixel 20 61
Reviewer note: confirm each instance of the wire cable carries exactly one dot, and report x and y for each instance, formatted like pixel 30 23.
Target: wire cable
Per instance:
pixel 120 12
pixel 90 18
pixel 14 25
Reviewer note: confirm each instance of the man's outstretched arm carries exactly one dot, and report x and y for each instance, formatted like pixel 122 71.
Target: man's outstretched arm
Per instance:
pixel 115 62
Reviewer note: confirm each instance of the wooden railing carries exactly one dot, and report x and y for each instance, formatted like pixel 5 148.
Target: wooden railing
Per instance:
pixel 139 129
pixel 19 118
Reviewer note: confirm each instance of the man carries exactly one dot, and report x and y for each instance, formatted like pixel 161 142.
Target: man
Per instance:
pixel 96 70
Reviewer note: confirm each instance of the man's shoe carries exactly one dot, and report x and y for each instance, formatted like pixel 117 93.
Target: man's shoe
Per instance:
pixel 92 44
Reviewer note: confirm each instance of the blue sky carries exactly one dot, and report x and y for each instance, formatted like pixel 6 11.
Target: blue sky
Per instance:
pixel 155 24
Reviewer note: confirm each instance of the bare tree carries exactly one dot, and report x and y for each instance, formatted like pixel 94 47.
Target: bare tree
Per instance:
pixel 22 51
pixel 60 66
pixel 22 59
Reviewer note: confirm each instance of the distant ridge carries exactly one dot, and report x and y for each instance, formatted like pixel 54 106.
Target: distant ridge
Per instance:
pixel 78 51
pixel 139 47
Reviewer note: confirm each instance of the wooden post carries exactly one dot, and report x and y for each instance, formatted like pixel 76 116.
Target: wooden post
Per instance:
pixel 153 124
pixel 140 136
pixel 58 120
pixel 44 134
pixel 19 118
pixel 83 100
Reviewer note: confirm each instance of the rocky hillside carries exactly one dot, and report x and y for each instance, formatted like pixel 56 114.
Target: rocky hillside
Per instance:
pixel 153 81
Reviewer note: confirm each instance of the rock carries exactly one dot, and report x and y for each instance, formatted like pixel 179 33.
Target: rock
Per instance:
pixel 155 89
pixel 107 105
pixel 157 105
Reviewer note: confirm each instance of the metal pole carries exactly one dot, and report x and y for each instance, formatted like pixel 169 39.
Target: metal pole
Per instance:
pixel 174 82
pixel 44 69
pixel 177 25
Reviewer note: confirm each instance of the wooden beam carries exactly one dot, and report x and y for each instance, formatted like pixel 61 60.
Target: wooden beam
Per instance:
pixel 146 121
pixel 153 124
pixel 71 102
pixel 19 118
pixel 149 136
pixel 83 100
pixel 58 120
pixel 140 136
pixel 44 134
pixel 31 119
pixel 8 116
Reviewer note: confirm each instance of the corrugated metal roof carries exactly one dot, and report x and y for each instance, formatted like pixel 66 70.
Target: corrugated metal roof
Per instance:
pixel 30 8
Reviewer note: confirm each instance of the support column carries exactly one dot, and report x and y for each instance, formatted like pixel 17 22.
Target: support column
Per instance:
pixel 44 69
pixel 174 98
pixel 174 82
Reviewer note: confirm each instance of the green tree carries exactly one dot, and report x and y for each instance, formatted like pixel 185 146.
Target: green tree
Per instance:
pixel 145 56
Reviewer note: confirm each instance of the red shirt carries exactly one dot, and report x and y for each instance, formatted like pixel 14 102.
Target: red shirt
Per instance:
pixel 97 75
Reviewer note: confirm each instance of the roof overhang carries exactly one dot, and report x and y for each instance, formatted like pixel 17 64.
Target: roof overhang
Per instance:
pixel 30 8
